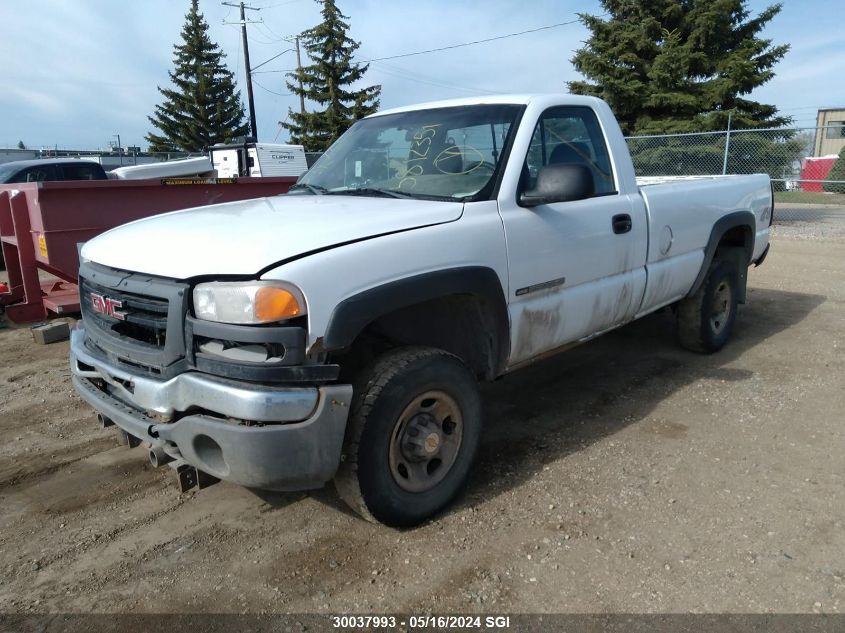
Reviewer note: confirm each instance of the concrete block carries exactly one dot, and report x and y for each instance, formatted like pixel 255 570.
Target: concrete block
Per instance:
pixel 51 332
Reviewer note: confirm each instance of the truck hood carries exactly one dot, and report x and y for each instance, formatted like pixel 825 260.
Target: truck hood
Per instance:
pixel 242 238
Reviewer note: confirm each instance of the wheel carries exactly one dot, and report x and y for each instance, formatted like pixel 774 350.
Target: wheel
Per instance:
pixel 706 319
pixel 411 438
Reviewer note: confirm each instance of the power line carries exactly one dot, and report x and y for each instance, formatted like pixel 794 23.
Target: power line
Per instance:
pixel 488 39
pixel 272 92
pixel 463 44
pixel 267 61
pixel 402 73
pixel 284 70
pixel 259 40
pixel 287 38
pixel 262 27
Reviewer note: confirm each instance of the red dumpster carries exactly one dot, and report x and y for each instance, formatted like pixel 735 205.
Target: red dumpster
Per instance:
pixel 42 223
pixel 814 170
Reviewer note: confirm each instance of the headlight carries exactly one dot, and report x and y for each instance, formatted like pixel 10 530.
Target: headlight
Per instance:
pixel 247 302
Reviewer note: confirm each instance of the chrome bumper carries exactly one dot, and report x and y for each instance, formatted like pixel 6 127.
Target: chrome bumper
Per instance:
pixel 300 451
pixel 192 389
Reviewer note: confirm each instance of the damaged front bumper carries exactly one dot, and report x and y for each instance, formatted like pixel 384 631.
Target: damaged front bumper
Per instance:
pixel 259 436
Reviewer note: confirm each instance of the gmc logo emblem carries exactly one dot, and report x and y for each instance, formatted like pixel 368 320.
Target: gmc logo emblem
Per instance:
pixel 107 306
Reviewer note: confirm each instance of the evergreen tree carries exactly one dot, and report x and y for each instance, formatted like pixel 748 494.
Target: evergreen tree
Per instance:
pixel 21 145
pixel 203 107
pixel 837 172
pixel 679 65
pixel 327 82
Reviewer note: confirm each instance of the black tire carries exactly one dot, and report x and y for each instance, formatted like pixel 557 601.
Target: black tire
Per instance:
pixel 378 443
pixel 706 319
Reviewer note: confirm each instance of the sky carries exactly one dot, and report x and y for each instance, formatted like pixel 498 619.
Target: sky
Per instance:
pixel 76 73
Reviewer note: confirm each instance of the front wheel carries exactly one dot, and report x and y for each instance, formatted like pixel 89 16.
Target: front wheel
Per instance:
pixel 411 438
pixel 706 319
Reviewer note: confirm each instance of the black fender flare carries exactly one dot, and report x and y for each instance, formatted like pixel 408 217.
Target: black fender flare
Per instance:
pixel 724 224
pixel 354 313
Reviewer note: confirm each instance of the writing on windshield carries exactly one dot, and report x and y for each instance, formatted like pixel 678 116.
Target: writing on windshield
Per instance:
pixel 438 153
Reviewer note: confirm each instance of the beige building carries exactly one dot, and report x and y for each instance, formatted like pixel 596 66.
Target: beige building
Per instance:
pixel 830 137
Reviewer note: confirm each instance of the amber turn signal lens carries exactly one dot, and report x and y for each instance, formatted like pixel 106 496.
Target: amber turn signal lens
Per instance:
pixel 275 304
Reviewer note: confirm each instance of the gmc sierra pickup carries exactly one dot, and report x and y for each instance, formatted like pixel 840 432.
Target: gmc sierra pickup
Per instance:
pixel 340 331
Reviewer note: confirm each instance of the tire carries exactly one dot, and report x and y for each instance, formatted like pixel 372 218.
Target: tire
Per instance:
pixel 411 408
pixel 706 319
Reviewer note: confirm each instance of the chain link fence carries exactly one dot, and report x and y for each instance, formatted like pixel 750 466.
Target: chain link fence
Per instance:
pixel 786 154
pixel 311 157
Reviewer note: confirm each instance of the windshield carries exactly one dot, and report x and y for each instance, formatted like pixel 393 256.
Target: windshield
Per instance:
pixel 442 153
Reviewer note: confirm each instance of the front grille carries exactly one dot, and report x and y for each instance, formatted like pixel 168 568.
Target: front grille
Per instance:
pixel 135 320
pixel 144 318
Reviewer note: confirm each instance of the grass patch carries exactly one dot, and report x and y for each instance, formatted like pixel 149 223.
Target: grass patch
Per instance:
pixel 810 197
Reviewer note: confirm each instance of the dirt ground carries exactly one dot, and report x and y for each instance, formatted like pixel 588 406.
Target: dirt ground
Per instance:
pixel 626 475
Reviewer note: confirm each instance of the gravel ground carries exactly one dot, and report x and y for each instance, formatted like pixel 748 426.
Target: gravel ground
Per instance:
pixel 626 475
pixel 809 221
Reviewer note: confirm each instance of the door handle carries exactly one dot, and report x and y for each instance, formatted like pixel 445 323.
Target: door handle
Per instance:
pixel 622 223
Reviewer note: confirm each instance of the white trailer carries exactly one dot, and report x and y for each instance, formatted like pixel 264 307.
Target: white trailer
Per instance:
pixel 258 160
pixel 194 166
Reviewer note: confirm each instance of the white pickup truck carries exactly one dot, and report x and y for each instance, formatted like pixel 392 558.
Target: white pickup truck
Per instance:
pixel 340 331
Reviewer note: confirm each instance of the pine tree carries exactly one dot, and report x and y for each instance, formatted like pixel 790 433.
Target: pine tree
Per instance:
pixel 679 65
pixel 203 107
pixel 327 82
pixel 837 172
pixel 21 145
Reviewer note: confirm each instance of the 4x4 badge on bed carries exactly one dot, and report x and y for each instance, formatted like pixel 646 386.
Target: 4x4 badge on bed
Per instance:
pixel 106 306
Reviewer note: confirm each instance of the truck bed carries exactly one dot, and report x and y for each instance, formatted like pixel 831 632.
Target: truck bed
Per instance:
pixel 648 181
pixel 682 212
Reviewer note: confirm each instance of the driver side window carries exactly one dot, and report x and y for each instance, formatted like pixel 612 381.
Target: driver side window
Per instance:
pixel 569 135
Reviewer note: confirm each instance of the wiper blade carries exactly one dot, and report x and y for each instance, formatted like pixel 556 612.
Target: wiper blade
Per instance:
pixel 317 190
pixel 370 191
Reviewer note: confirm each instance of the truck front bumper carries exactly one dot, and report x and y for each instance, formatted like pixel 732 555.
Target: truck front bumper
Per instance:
pixel 295 444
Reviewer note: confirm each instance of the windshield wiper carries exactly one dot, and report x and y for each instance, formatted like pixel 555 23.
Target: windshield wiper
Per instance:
pixel 317 190
pixel 370 191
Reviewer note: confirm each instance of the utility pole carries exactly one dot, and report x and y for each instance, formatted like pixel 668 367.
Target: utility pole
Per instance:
pixel 296 48
pixel 119 149
pixel 251 102
pixel 299 78
pixel 727 144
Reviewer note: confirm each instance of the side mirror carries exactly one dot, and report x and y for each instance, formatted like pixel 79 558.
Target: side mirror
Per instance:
pixel 559 183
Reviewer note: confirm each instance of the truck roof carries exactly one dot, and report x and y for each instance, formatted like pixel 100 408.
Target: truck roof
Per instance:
pixel 546 99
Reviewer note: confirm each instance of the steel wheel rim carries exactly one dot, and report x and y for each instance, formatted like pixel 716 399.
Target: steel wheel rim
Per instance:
pixel 720 310
pixel 425 441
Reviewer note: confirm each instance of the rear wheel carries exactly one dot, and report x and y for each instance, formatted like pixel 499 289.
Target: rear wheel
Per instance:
pixel 412 436
pixel 706 319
